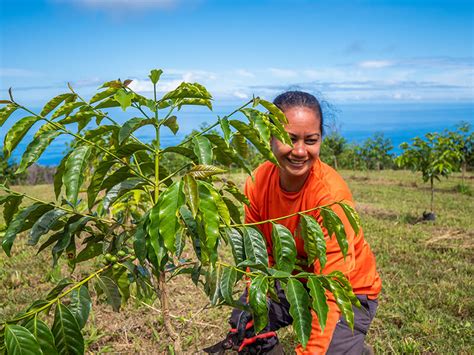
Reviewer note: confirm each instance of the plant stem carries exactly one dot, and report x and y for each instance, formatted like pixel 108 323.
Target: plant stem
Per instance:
pixel 215 124
pixel 285 217
pixel 77 136
pixel 65 293
pixel 4 188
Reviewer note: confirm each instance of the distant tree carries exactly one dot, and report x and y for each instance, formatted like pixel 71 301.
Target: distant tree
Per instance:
pixel 433 156
pixel 332 148
pixel 462 141
pixel 352 158
pixel 376 152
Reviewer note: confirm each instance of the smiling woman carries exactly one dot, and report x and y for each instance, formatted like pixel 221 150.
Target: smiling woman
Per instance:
pixel 301 182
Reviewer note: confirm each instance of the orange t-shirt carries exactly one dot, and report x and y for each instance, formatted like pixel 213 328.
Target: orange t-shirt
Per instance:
pixel 323 186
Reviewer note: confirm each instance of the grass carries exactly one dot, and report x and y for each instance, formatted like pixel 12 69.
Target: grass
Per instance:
pixel 426 305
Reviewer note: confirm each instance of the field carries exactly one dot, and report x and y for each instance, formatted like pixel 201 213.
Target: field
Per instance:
pixel 426 305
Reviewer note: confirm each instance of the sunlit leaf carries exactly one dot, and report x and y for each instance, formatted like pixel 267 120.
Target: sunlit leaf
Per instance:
pixel 43 335
pixel 299 311
pixel 44 224
pixel 203 150
pixel 314 242
pixel 352 216
pixel 16 133
pixel 54 102
pixel 258 302
pixel 319 301
pixel 333 224
pixel 284 248
pixel 35 149
pixel 19 340
pixel 228 280
pixel 172 124
pixel 190 189
pixel 208 209
pixel 75 171
pixel 66 331
pixel 254 246
pixel 132 125
pixel 124 98
pixel 237 244
pixel 155 75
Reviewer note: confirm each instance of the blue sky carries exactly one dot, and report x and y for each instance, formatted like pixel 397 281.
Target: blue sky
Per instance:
pixel 348 51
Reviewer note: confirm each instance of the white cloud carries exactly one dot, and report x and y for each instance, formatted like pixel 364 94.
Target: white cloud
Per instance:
pixel 283 73
pixel 240 95
pixel 245 73
pixel 375 64
pixel 18 73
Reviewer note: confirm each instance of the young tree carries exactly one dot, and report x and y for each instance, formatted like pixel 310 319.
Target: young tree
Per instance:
pixel 462 141
pixel 332 148
pixel 376 152
pixel 137 217
pixel 433 156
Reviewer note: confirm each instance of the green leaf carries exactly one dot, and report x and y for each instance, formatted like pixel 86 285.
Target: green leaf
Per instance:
pixel 139 239
pixel 191 193
pixel 254 246
pixel 203 150
pixel 234 211
pixel 104 94
pixel 5 112
pixel 35 149
pixel 240 144
pixel 204 171
pixel 234 191
pixel 188 90
pixel 75 171
pixel 90 251
pixel 221 206
pixel 258 302
pixel 253 136
pixel 58 288
pixel 210 213
pixel 19 341
pixel 274 110
pixel 11 202
pixel 185 152
pixel 66 109
pixel 164 216
pixel 342 300
pixel 284 248
pixel 224 123
pixel 314 242
pixel 127 150
pixel 228 280
pixel 225 154
pixel 334 225
pixel 23 220
pixel 44 224
pixel 111 291
pixel 80 305
pixel 132 125
pixel 55 101
pixel 352 216
pixel 299 311
pixel 121 188
pixel 319 303
pixel 124 98
pixel 43 335
pixel 155 75
pixel 58 176
pixel 193 101
pixel 346 285
pixel 96 181
pixel 66 331
pixel 172 124
pixel 110 102
pixel 258 120
pixel 16 133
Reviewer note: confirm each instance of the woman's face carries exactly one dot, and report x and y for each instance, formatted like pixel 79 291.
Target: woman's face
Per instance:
pixel 296 162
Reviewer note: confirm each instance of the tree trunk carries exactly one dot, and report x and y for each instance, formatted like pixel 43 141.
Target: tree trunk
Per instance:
pixel 432 192
pixel 335 162
pixel 166 314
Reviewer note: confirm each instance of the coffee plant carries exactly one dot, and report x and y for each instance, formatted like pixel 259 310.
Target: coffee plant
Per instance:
pixel 116 203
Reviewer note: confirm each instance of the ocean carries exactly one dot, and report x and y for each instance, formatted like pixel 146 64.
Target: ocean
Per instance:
pixel 356 122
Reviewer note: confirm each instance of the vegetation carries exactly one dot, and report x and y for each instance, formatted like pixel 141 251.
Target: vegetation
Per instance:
pixel 426 305
pixel 116 203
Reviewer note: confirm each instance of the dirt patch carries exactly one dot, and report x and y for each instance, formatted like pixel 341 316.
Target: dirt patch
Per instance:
pixel 375 211
pixel 449 238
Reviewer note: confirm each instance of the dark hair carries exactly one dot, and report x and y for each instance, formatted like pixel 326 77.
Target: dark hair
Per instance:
pixel 291 99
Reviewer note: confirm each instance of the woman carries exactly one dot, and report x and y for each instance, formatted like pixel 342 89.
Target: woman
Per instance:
pixel 300 182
